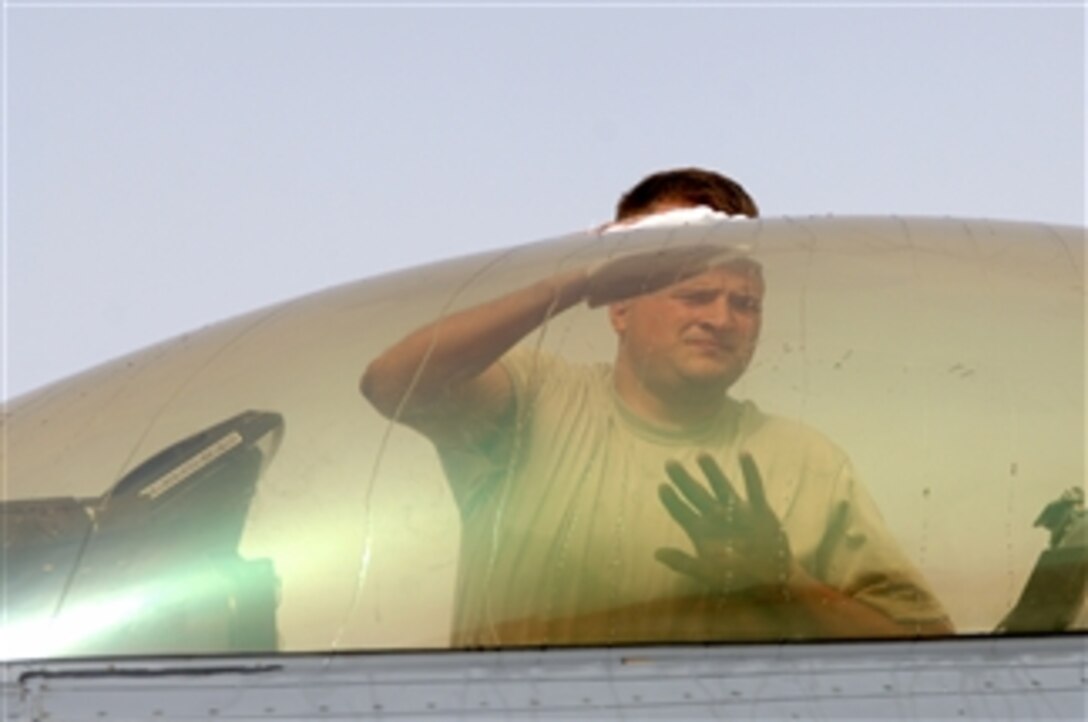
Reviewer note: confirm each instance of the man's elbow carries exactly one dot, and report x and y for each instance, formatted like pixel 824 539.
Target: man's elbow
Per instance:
pixel 935 628
pixel 377 387
pixel 920 629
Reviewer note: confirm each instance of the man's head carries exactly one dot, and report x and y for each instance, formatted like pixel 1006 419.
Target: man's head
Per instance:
pixel 685 188
pixel 693 338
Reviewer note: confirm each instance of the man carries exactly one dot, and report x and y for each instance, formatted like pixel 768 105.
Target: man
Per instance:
pixel 569 535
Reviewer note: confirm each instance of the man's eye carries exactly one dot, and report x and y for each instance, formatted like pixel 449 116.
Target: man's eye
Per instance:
pixel 748 304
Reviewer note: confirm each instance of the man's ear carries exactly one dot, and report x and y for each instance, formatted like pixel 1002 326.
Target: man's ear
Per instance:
pixel 617 314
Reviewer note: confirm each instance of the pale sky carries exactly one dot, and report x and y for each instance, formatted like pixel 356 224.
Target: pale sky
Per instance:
pixel 168 165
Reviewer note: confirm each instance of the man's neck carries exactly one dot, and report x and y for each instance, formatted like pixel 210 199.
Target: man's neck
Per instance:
pixel 682 409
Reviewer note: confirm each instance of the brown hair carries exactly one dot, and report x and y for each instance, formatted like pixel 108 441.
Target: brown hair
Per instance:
pixel 686 186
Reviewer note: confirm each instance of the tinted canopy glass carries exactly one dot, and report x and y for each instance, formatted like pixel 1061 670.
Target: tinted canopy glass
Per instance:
pixel 908 395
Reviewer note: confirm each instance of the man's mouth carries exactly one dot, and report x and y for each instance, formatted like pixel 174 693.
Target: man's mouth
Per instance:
pixel 710 344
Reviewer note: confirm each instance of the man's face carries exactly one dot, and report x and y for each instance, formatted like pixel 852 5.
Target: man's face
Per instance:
pixel 699 332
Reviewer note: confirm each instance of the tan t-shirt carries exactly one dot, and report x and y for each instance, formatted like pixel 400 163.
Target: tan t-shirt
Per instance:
pixel 561 519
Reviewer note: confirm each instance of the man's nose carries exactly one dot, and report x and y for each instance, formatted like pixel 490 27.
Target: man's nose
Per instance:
pixel 718 314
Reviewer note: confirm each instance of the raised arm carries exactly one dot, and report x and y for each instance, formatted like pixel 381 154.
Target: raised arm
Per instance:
pixel 741 547
pixel 449 366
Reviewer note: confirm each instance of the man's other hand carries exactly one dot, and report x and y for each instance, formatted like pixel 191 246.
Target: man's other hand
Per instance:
pixel 739 545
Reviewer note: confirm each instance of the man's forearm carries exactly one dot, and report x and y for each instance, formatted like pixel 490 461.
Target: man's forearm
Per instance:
pixel 814 609
pixel 459 347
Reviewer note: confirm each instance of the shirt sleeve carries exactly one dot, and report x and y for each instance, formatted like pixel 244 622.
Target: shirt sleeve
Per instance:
pixel 863 560
pixel 477 454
